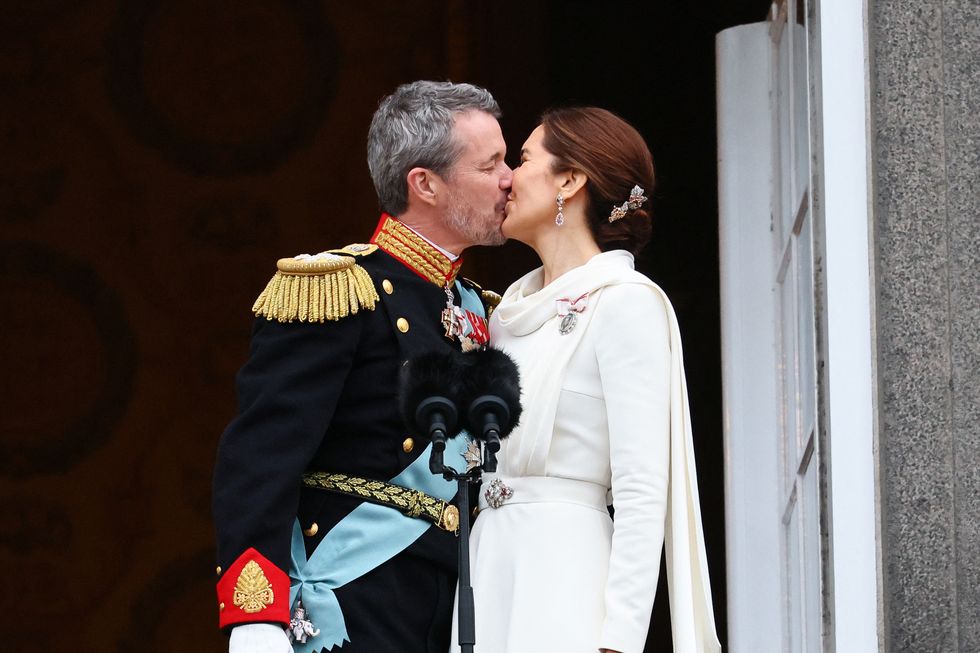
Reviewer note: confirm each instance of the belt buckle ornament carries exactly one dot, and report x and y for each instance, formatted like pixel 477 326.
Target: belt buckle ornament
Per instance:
pixel 450 518
pixel 497 493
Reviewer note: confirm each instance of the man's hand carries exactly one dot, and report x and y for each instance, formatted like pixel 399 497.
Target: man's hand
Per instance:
pixel 259 638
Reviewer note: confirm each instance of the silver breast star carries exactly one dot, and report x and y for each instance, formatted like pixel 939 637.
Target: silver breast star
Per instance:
pixel 473 456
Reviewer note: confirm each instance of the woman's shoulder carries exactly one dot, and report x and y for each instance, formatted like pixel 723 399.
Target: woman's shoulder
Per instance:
pixel 634 305
pixel 634 291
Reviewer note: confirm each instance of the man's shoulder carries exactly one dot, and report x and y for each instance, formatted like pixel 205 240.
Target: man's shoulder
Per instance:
pixel 327 286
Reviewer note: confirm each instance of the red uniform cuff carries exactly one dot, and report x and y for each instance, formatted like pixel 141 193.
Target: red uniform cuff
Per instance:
pixel 253 589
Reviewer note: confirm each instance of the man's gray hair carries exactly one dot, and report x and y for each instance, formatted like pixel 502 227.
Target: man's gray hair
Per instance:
pixel 413 127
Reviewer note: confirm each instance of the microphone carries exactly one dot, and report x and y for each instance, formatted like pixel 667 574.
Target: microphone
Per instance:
pixel 491 389
pixel 428 394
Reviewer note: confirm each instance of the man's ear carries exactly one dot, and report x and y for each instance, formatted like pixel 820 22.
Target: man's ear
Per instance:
pixel 424 185
pixel 571 182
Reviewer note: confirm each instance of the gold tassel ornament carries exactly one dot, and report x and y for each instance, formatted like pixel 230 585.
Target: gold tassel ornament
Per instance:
pixel 315 289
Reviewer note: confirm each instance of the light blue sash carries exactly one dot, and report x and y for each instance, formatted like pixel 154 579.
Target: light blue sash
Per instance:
pixel 470 300
pixel 366 538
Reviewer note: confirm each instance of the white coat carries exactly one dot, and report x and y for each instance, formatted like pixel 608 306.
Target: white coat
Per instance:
pixel 605 419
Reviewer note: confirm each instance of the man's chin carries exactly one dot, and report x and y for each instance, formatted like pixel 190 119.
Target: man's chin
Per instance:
pixel 494 236
pixel 494 240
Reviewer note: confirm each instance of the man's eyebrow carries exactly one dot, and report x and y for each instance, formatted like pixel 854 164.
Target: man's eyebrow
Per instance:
pixel 496 156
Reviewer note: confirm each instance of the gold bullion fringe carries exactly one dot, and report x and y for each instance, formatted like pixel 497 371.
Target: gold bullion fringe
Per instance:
pixel 316 297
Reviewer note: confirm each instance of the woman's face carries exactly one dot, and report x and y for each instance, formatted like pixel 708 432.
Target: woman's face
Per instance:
pixel 531 204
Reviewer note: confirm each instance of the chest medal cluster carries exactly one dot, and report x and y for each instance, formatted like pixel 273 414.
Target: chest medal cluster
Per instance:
pixel 471 329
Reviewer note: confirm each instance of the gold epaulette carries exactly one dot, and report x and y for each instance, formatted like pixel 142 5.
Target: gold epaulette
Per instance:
pixel 317 288
pixel 490 298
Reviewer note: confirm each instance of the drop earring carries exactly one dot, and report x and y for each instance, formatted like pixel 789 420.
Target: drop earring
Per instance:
pixel 560 218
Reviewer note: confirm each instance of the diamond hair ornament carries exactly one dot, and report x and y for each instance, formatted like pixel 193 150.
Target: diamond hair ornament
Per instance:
pixel 636 200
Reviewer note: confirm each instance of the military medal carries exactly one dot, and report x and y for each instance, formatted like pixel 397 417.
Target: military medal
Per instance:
pixel 449 322
pixel 567 324
pixel 450 315
pixel 300 628
pixel 568 311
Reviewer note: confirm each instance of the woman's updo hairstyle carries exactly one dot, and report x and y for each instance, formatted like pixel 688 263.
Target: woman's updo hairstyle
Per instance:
pixel 614 157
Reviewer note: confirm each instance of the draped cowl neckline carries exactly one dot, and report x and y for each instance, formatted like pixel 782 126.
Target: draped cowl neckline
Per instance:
pixel 528 303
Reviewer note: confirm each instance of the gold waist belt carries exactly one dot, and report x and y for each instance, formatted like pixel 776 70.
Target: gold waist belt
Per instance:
pixel 409 502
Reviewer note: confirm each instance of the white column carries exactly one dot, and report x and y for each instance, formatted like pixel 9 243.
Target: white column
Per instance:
pixel 748 349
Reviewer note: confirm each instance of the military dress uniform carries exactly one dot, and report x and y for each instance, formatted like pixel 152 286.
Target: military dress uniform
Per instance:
pixel 319 429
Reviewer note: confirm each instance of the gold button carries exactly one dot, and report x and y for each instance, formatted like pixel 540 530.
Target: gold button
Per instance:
pixel 408 445
pixel 218 571
pixel 311 531
pixel 387 286
pixel 221 606
pixel 402 325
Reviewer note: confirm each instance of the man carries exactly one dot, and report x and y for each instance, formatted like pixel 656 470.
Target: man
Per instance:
pixel 318 428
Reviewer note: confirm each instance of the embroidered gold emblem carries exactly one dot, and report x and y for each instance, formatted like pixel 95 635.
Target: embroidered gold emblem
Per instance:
pixel 253 591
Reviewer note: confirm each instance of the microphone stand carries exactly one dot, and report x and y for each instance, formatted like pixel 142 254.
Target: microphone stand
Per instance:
pixel 467 611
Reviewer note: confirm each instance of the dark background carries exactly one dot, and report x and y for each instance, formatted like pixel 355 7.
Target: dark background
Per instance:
pixel 157 157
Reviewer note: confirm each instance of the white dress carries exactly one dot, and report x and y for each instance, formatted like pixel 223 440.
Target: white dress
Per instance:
pixel 605 421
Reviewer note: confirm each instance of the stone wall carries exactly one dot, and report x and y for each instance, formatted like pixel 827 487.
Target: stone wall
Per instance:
pixel 925 99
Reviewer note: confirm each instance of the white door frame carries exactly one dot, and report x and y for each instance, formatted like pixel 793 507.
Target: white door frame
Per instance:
pixel 844 199
pixel 840 151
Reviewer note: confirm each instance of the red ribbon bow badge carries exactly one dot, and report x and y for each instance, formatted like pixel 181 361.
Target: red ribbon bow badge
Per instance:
pixel 566 305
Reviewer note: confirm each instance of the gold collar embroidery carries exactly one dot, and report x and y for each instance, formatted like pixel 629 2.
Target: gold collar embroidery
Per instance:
pixel 415 252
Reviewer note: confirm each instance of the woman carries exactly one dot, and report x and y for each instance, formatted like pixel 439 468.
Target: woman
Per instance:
pixel 605 415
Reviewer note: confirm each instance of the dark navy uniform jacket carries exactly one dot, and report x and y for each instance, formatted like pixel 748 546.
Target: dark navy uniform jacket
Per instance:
pixel 323 397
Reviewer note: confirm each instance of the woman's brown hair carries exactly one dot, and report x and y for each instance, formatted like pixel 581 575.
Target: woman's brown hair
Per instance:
pixel 614 157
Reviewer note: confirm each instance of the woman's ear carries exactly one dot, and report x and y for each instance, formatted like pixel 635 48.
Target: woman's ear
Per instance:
pixel 571 182
pixel 424 185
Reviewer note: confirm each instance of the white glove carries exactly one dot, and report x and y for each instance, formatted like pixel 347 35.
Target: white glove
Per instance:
pixel 259 638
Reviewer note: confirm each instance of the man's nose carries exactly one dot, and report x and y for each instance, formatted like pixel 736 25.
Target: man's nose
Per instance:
pixel 506 178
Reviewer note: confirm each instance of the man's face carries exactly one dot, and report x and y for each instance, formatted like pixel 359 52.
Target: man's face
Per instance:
pixel 480 180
